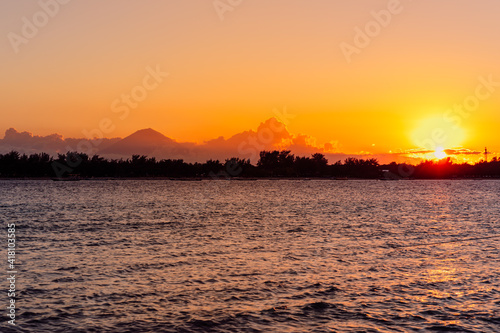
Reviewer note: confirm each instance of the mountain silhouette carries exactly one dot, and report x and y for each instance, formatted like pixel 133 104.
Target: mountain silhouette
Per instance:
pixel 142 142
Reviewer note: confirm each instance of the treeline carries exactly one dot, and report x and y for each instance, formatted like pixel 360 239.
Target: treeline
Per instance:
pixel 271 164
pixel 445 169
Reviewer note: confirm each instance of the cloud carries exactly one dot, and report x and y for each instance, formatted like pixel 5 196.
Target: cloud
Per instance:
pixel 415 151
pixel 462 151
pixel 269 135
pixel 27 143
pixel 453 151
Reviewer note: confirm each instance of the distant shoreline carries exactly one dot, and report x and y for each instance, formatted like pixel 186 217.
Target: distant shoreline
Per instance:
pixel 191 179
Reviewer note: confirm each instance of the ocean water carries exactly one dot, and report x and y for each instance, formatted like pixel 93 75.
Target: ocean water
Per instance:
pixel 254 256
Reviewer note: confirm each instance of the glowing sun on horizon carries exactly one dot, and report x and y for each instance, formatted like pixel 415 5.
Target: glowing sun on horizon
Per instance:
pixel 440 153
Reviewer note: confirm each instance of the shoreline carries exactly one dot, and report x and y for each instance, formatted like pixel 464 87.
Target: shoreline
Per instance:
pixel 236 179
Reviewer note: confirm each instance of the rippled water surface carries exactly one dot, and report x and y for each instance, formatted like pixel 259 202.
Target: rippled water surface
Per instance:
pixel 255 256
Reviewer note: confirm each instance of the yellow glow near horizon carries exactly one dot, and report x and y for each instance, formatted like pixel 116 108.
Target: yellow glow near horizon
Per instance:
pixel 435 133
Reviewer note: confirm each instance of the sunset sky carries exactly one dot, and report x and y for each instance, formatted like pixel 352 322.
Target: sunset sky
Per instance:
pixel 420 73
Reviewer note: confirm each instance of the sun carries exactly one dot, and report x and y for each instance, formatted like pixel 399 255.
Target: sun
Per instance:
pixel 440 153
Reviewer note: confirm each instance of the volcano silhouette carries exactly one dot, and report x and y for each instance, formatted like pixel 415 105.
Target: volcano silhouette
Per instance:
pixel 142 142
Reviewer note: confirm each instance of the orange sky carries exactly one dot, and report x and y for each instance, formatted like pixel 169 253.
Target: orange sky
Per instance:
pixel 227 76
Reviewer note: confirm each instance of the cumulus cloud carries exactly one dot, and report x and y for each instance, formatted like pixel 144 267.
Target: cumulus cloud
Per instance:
pixel 27 143
pixel 270 135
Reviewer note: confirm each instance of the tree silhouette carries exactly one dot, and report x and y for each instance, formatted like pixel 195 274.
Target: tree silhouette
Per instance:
pixel 271 164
